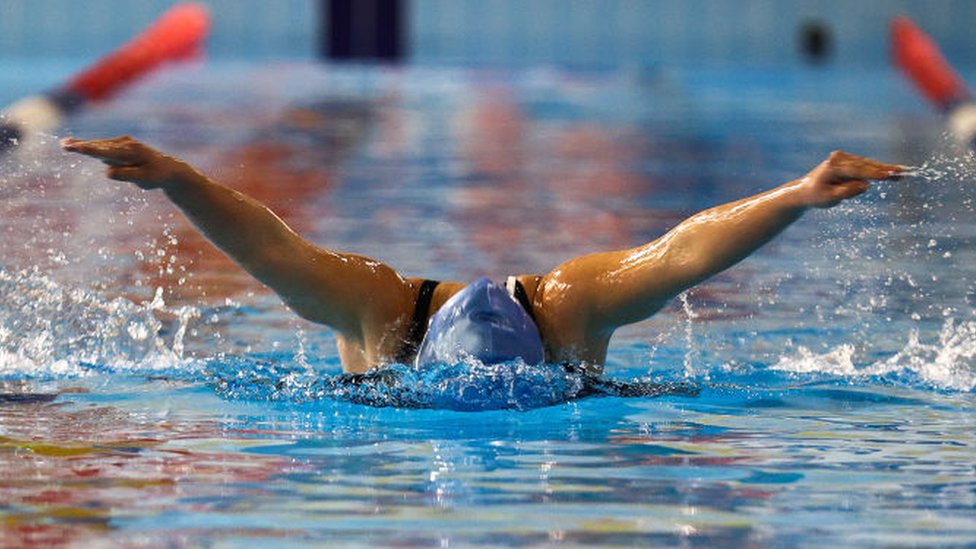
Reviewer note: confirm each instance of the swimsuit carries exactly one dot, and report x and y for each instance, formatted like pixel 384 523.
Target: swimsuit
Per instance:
pixel 517 290
pixel 418 324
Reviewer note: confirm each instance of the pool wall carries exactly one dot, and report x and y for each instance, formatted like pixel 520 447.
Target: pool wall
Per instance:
pixel 575 33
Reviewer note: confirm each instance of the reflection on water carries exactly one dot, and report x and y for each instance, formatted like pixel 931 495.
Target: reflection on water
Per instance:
pixel 69 474
pixel 180 464
pixel 152 394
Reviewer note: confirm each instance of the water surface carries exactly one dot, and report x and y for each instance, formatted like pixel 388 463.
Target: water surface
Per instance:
pixel 154 395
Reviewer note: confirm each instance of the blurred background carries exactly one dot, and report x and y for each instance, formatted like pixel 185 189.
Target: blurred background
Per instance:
pixel 455 139
pixel 574 33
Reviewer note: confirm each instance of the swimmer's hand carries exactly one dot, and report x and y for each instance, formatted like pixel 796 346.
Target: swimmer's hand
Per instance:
pixel 842 176
pixel 130 160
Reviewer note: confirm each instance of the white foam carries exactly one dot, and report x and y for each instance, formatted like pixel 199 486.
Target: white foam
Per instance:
pixel 16 362
pixel 949 363
pixel 47 329
pixel 838 361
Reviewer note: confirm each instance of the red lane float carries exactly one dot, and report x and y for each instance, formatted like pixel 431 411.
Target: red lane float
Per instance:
pixel 177 34
pixel 920 59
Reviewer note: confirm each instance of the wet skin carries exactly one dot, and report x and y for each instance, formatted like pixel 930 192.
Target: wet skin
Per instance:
pixel 577 305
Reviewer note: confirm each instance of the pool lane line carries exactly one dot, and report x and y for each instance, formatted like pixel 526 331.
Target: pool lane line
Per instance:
pixel 179 33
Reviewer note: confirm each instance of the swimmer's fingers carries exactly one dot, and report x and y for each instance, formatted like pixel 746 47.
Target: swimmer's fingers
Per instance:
pixel 844 175
pixel 844 166
pixel 130 160
pixel 118 151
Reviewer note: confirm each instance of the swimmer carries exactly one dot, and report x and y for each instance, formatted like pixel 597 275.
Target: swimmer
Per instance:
pixel 566 316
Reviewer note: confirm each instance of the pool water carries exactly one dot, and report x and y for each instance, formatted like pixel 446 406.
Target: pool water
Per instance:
pixel 821 392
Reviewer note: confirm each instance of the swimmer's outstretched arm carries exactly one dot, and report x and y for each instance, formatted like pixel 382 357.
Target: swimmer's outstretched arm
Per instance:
pixel 621 287
pixel 321 285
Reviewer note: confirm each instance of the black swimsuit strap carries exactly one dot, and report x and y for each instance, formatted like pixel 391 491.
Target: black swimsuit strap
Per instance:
pixel 523 298
pixel 418 324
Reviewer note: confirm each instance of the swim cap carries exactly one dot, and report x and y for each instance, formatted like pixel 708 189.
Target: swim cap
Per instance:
pixel 484 322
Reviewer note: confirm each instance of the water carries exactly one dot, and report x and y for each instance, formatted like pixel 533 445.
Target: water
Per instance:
pixel 821 392
pixel 955 168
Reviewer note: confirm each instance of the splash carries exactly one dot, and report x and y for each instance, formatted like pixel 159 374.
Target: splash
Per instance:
pixel 948 363
pixel 464 386
pixel 690 317
pixel 50 331
pixel 838 361
pixel 949 167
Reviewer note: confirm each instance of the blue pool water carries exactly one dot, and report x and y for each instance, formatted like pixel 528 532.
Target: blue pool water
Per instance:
pixel 822 392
